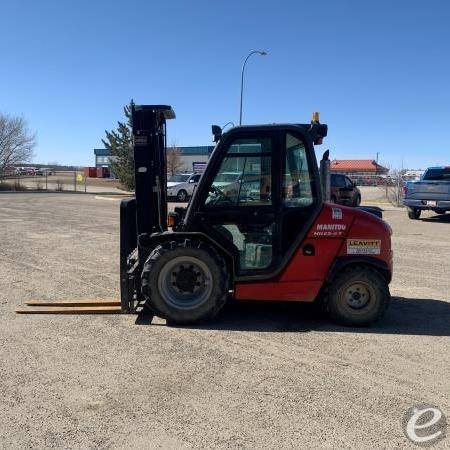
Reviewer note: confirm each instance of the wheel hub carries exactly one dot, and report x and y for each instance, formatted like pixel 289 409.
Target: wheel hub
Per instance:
pixel 357 295
pixel 185 282
pixel 186 279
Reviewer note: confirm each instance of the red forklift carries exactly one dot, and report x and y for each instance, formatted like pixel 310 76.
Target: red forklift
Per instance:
pixel 257 228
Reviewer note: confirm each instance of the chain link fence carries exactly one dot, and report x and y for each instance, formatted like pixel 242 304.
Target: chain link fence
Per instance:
pixel 390 187
pixel 58 181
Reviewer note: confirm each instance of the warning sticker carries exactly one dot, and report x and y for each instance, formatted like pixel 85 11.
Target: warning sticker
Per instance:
pixel 363 247
pixel 140 141
pixel 337 213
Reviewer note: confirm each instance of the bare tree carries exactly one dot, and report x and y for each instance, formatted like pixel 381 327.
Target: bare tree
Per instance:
pixel 174 162
pixel 16 141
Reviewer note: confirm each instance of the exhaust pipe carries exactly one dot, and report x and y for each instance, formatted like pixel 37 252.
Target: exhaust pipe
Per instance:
pixel 325 165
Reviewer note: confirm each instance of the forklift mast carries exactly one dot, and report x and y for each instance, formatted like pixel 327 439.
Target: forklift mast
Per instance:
pixel 150 167
pixel 147 212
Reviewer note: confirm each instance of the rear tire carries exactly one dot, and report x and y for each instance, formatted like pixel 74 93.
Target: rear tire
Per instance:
pixel 357 201
pixel 185 281
pixel 414 213
pixel 333 199
pixel 358 296
pixel 182 195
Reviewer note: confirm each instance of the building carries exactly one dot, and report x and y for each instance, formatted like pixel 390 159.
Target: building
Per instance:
pixel 358 167
pixel 190 157
pixel 364 172
pixel 102 157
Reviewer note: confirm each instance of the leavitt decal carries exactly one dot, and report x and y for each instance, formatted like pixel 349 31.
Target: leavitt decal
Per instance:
pixel 363 247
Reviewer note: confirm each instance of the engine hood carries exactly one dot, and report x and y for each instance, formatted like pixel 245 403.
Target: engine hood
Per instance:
pixel 336 221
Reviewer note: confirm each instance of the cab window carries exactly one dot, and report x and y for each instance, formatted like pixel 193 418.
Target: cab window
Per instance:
pixel 245 175
pixel 297 189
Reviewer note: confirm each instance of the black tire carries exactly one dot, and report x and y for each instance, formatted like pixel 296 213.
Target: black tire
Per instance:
pixel 358 296
pixel 357 200
pixel 185 281
pixel 182 195
pixel 414 213
pixel 333 199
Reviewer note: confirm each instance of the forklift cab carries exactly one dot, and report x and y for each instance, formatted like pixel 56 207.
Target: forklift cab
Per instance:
pixel 259 189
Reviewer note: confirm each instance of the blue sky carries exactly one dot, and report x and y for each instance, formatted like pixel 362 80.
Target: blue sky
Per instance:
pixel 378 72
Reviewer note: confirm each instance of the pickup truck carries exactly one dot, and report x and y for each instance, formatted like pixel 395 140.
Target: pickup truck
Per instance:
pixel 431 192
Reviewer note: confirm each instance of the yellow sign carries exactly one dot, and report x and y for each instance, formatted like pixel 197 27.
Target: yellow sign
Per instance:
pixel 79 177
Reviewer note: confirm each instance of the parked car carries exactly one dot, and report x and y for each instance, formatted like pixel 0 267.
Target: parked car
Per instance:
pixel 182 185
pixel 43 171
pixel 344 190
pixel 30 171
pixel 431 192
pixel 9 171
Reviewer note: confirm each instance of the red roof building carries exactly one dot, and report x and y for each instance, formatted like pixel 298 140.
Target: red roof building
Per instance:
pixel 358 167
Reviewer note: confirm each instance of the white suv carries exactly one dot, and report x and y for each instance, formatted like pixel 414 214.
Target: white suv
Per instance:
pixel 182 185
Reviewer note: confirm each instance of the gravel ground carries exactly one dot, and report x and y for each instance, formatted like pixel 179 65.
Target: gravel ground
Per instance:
pixel 260 375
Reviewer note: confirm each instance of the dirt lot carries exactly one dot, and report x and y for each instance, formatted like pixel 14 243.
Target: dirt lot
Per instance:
pixel 258 376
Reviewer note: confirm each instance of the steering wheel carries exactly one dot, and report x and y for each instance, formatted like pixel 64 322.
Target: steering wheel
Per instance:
pixel 220 195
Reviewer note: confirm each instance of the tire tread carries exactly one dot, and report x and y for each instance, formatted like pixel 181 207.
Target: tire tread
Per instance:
pixel 380 284
pixel 149 287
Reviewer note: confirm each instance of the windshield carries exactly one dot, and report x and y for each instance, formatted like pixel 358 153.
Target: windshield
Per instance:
pixel 437 174
pixel 226 177
pixel 179 178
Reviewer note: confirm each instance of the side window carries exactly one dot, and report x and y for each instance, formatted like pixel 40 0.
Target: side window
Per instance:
pixel 196 178
pixel 244 178
pixel 297 190
pixel 348 182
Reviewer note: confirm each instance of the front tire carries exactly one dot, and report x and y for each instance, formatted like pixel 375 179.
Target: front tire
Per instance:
pixel 357 201
pixel 414 213
pixel 182 195
pixel 185 281
pixel 358 296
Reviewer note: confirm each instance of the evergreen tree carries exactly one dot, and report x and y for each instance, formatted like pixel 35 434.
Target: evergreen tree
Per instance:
pixel 120 143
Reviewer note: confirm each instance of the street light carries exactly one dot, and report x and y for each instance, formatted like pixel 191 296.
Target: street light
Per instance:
pixel 259 52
